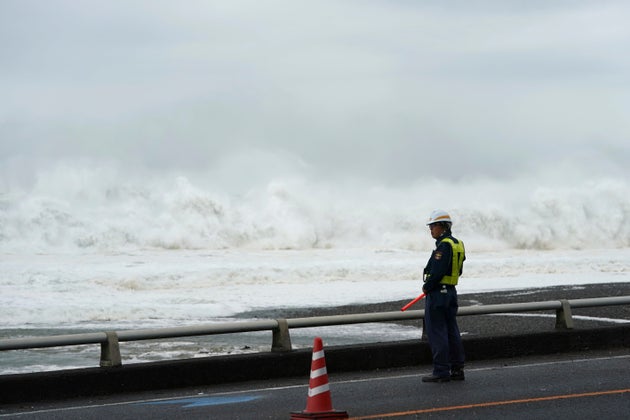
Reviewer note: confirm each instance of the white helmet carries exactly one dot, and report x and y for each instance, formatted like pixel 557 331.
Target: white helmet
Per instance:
pixel 438 216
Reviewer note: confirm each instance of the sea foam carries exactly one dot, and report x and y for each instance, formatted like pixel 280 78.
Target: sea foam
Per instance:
pixel 102 207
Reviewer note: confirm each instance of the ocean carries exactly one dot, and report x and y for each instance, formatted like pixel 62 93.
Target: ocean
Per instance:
pixel 164 165
pixel 95 247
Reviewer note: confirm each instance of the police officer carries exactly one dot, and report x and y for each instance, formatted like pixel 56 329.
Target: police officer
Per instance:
pixel 440 278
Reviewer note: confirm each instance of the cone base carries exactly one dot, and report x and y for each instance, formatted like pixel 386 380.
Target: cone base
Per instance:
pixel 335 414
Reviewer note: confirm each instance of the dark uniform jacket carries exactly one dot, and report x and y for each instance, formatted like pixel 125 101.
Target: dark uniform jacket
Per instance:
pixel 440 264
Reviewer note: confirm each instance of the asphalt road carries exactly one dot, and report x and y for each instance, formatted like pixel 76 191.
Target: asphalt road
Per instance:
pixel 586 385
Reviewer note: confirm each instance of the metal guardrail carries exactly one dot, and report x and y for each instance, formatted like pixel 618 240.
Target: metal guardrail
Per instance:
pixel 281 339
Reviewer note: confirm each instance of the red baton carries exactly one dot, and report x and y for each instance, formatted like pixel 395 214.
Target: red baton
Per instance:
pixel 404 308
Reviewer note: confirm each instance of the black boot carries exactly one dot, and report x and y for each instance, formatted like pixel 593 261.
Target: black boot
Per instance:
pixel 457 374
pixel 435 378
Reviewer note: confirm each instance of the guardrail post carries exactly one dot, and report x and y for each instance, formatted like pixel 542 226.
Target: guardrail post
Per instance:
pixel 564 317
pixel 281 340
pixel 110 351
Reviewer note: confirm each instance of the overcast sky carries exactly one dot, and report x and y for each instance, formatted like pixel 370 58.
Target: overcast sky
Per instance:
pixel 392 90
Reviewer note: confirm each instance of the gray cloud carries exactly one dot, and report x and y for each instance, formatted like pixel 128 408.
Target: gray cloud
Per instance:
pixel 389 90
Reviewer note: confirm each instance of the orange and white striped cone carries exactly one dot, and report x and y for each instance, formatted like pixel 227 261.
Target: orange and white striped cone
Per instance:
pixel 319 403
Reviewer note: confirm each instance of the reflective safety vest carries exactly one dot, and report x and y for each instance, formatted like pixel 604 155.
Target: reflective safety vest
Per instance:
pixel 458 262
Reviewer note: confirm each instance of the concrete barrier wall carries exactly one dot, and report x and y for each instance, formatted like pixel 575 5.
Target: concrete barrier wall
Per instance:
pixel 261 366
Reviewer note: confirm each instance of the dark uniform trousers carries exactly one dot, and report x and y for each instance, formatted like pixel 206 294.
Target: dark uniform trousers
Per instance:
pixel 442 330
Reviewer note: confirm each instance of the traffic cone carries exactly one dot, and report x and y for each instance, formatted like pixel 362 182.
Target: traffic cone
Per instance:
pixel 318 403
